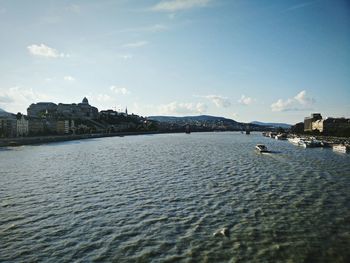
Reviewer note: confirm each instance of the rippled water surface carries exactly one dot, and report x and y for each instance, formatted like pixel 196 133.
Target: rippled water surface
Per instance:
pixel 160 198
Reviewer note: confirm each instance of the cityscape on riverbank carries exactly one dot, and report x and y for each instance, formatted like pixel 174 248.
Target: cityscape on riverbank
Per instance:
pixel 47 118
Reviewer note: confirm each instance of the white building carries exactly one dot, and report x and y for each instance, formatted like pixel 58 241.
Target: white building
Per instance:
pixel 22 125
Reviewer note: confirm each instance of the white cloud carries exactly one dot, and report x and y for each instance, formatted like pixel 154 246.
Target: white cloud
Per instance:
pixel 302 98
pixel 136 44
pixel 177 5
pixel 281 105
pixel 300 102
pixel 17 99
pixel 176 108
pixel 245 100
pixel 219 101
pixel 68 78
pixel 44 51
pixel 119 90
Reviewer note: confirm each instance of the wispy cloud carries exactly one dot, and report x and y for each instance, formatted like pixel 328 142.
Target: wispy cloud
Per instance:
pixel 68 78
pixel 178 108
pixel 152 29
pixel 119 90
pixel 245 100
pixel 18 99
pixel 219 101
pixel 177 5
pixel 42 50
pixel 298 6
pixel 136 44
pixel 299 103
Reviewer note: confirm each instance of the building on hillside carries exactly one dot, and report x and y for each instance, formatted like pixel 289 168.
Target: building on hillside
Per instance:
pixel 81 110
pixel 41 109
pixel 22 125
pixel 309 120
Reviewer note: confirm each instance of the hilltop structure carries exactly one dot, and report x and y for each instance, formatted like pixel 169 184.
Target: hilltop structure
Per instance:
pixel 81 110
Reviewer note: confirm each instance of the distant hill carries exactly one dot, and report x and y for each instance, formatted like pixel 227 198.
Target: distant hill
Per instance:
pixel 207 122
pixel 200 118
pixel 272 124
pixel 6 114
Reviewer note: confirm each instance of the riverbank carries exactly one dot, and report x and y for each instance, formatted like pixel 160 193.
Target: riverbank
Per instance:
pixel 19 141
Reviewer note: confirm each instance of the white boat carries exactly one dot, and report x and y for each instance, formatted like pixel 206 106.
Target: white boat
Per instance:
pixel 261 148
pixel 341 148
pixel 295 140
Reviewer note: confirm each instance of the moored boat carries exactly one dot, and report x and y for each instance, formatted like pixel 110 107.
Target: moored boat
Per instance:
pixel 341 148
pixel 295 140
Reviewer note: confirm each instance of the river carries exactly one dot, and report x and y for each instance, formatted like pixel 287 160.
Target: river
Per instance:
pixel 160 198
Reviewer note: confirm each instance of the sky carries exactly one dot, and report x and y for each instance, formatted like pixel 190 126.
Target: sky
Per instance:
pixel 272 61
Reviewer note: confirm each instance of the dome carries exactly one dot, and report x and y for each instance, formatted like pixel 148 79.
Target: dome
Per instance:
pixel 85 101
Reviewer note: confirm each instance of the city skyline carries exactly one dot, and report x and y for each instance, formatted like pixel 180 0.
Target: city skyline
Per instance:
pixel 273 61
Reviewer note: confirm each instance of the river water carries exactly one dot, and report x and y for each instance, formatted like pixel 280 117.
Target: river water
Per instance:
pixel 160 198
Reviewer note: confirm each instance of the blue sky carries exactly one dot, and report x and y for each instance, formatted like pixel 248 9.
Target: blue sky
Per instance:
pixel 247 60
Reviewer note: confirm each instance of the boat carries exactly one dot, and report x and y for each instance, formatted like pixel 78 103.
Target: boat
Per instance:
pixel 261 148
pixel 295 140
pixel 310 143
pixel 342 148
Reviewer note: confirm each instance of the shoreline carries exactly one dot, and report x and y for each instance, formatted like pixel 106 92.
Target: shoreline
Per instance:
pixel 20 141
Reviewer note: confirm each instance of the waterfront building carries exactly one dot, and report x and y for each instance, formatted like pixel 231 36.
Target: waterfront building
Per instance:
pixel 332 125
pixel 7 124
pixel 22 125
pixel 309 120
pixel 35 126
pixel 65 126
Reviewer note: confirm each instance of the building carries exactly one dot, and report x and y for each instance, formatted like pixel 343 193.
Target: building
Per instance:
pixel 332 126
pixel 65 127
pixel 35 126
pixel 22 125
pixel 7 124
pixel 309 120
pixel 41 109
pixel 81 110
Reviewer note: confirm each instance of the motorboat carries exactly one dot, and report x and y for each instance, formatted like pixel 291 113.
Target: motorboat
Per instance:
pixel 342 148
pixel 261 148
